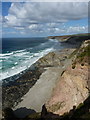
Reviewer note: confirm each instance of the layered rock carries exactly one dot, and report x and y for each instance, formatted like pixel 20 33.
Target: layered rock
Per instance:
pixel 54 59
pixel 71 90
pixel 72 38
pixel 73 87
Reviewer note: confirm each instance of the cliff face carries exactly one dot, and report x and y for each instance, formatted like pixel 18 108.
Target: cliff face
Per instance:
pixel 73 86
pixel 72 38
pixel 71 90
pixel 54 59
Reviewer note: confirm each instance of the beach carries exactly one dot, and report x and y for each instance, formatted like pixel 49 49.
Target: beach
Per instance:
pixel 37 88
pixel 45 60
pixel 34 88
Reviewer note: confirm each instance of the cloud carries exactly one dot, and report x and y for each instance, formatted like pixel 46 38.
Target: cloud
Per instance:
pixel 45 17
pixel 28 13
pixel 77 29
pixel 70 29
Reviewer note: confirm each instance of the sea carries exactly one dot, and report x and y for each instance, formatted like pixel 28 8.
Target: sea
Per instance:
pixel 18 54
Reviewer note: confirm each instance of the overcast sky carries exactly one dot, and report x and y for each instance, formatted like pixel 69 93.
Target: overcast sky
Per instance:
pixel 37 19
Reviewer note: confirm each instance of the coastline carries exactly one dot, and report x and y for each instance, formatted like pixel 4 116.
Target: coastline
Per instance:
pixel 26 81
pixel 37 80
pixel 26 86
pixel 42 91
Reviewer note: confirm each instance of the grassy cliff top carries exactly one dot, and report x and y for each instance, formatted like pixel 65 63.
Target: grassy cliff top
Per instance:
pixel 71 38
pixel 82 34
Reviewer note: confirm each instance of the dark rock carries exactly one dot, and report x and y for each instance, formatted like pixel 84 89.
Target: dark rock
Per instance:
pixel 13 91
pixel 8 114
pixel 44 111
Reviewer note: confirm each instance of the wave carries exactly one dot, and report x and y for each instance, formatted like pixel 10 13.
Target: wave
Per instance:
pixel 11 53
pixel 20 54
pixel 53 40
pixel 20 60
pixel 25 64
pixel 18 51
pixel 6 54
pixel 1 60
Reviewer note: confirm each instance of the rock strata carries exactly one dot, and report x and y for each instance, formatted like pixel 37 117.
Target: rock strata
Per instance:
pixel 69 98
pixel 73 87
pixel 13 92
pixel 71 90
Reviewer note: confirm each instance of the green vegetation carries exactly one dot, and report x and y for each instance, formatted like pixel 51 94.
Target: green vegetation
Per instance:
pixel 56 106
pixel 34 116
pixel 82 112
pixel 80 105
pixel 81 55
pixel 84 52
pixel 73 53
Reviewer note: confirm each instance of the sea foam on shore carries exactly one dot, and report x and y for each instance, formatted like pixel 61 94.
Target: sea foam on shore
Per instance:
pixel 15 62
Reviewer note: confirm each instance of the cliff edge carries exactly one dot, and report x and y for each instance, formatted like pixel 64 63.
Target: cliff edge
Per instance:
pixel 73 86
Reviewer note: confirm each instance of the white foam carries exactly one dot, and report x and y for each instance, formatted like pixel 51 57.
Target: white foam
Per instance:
pixel 15 63
pixel 53 40
pixel 20 54
pixel 19 51
pixel 1 60
pixel 6 54
pixel 13 67
pixel 24 65
pixel 11 53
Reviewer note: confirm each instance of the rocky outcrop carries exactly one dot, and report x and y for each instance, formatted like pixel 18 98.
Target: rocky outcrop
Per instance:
pixel 71 90
pixel 72 38
pixel 60 38
pixel 54 59
pixel 15 90
pixel 41 92
pixel 73 87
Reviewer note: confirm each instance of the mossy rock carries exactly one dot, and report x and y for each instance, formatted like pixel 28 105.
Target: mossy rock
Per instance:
pixel 73 53
pixel 80 105
pixel 85 51
pixel 34 116
pixel 56 106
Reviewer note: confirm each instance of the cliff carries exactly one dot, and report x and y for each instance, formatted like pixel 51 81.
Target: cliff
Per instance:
pixel 74 85
pixel 71 38
pixel 70 98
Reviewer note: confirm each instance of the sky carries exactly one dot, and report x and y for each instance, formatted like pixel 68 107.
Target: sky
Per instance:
pixel 42 19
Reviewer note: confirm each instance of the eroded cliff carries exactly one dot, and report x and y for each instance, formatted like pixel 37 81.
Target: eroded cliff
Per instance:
pixel 73 86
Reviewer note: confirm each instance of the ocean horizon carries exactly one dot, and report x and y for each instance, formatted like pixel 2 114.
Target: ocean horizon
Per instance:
pixel 18 54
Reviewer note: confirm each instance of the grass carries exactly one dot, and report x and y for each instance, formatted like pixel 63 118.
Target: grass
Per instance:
pixel 81 55
pixel 73 53
pixel 80 105
pixel 56 106
pixel 33 116
pixel 86 52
